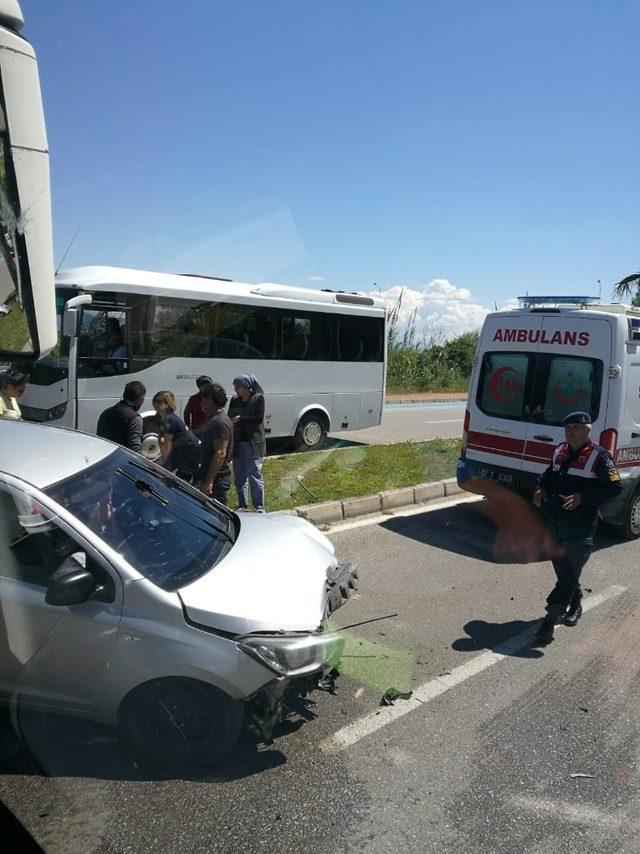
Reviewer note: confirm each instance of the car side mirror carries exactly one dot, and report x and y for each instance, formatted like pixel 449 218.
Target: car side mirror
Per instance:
pixel 70 586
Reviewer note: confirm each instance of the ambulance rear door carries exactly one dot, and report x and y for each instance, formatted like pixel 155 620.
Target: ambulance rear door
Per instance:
pixel 571 374
pixel 499 403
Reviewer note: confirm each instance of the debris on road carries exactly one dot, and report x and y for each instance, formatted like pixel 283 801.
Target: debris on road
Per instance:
pixel 392 694
pixel 328 683
pixel 580 774
pixel 364 622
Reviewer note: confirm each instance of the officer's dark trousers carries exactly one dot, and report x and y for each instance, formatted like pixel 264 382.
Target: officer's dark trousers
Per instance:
pixel 567 592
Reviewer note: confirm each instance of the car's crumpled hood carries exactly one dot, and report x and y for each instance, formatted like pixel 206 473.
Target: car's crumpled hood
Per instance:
pixel 273 579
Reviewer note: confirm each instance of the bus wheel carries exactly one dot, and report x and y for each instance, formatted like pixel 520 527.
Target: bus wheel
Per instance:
pixel 311 433
pixel 631 524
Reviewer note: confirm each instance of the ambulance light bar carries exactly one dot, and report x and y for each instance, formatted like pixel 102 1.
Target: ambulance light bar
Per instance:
pixel 529 301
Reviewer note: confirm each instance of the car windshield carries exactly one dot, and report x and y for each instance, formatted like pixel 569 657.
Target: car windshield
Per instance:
pixel 162 527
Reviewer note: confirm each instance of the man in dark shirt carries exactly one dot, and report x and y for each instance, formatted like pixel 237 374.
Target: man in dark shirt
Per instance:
pixel 217 444
pixel 121 423
pixel 581 477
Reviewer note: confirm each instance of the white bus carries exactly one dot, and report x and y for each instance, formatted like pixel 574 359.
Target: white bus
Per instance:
pixel 319 355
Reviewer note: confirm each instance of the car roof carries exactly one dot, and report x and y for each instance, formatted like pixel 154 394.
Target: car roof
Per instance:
pixel 42 455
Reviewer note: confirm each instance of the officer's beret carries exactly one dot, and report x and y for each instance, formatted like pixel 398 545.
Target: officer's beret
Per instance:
pixel 577 418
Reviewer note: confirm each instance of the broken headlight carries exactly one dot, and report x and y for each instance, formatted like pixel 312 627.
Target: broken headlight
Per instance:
pixel 295 655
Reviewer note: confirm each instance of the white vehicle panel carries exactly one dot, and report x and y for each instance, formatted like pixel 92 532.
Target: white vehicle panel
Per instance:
pixel 283 588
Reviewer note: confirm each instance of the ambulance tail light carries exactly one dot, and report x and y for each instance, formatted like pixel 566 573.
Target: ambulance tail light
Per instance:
pixel 465 430
pixel 609 440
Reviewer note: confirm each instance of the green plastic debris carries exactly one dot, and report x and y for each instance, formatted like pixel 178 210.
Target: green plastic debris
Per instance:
pixel 392 694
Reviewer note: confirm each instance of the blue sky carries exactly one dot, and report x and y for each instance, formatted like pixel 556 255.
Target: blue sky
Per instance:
pixel 469 151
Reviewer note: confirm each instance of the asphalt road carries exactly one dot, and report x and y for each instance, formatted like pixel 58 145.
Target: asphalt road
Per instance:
pixel 417 422
pixel 480 759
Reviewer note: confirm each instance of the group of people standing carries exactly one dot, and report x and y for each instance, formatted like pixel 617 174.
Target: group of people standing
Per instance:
pixel 209 444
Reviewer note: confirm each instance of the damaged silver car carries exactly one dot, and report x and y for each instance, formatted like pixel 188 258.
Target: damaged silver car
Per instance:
pixel 129 598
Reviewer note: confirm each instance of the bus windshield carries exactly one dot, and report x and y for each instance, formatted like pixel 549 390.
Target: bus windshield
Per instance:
pixel 168 532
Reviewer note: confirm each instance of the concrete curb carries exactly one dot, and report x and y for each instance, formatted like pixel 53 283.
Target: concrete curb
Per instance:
pixel 327 512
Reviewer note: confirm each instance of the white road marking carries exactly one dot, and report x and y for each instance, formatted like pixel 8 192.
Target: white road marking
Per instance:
pixel 445 421
pixel 414 509
pixel 583 814
pixel 379 718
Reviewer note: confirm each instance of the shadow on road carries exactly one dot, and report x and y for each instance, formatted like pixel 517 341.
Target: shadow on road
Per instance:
pixel 277 447
pixel 513 534
pixel 463 529
pixel 59 746
pixel 483 635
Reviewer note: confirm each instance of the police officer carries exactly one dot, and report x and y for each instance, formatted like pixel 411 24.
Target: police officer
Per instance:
pixel 581 477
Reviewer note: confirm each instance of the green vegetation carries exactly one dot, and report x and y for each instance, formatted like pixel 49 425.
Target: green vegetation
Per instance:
pixel 14 332
pixel 296 479
pixel 628 288
pixel 425 361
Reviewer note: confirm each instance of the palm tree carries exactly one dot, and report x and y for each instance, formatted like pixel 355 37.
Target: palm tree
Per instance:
pixel 628 287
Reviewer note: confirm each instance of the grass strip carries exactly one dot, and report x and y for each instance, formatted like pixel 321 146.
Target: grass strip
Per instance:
pixel 306 478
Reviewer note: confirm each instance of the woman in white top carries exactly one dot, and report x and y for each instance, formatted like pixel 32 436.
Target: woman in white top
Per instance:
pixel 12 385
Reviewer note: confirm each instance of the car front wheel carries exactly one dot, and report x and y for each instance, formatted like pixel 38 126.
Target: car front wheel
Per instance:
pixel 182 721
pixel 631 524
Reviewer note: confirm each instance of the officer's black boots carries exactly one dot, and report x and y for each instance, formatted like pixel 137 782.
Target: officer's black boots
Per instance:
pixel 573 615
pixel 544 633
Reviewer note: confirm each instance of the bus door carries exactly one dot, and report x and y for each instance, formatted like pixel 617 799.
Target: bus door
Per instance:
pixel 103 350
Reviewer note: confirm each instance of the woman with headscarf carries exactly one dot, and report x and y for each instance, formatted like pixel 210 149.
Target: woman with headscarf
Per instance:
pixel 246 411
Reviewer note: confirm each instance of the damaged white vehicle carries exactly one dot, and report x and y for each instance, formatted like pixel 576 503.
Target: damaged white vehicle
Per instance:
pixel 129 598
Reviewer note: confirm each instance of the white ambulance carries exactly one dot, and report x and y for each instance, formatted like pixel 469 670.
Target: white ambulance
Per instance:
pixel 536 364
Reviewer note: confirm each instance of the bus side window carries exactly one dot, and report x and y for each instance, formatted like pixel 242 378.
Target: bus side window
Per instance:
pixel 295 337
pixel 350 343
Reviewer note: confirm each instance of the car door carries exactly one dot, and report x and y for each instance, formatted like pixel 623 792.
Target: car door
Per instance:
pixel 51 656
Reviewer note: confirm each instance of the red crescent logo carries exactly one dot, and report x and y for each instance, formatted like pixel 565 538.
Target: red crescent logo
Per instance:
pixel 502 386
pixel 567 399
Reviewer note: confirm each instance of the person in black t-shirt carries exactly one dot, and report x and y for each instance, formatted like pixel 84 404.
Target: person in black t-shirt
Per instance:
pixel 122 423
pixel 217 444
pixel 179 447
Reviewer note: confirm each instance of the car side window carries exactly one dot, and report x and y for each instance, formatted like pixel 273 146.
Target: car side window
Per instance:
pixel 33 545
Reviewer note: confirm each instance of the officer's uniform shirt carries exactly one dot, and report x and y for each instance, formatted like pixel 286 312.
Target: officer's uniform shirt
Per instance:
pixel 589 472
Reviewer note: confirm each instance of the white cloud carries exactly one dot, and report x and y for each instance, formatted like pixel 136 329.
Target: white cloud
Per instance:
pixel 440 307
pixel 316 278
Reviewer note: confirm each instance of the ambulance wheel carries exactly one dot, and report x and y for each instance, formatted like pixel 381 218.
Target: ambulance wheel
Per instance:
pixel 631 525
